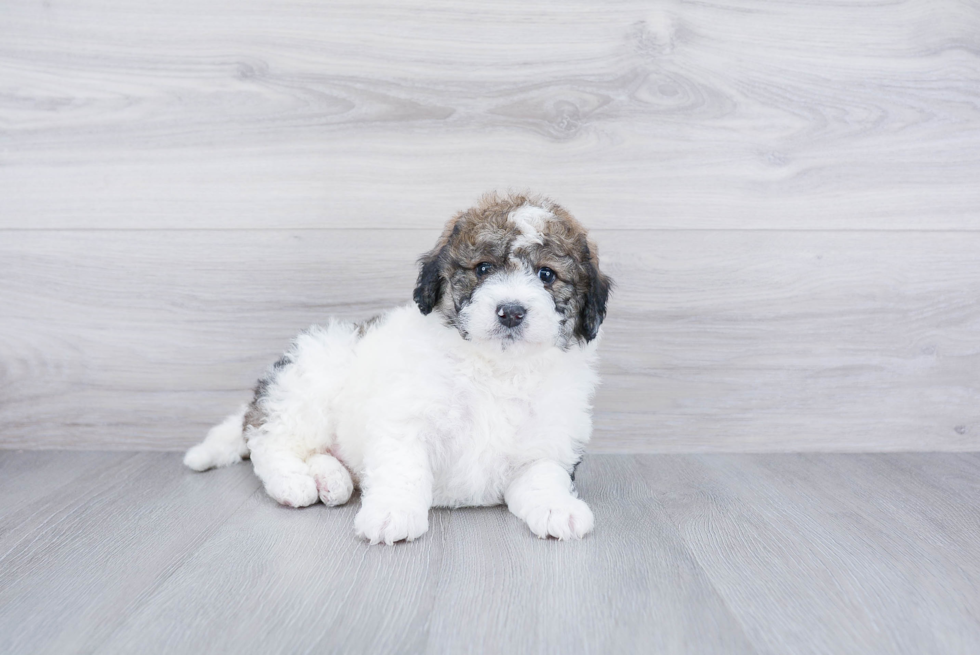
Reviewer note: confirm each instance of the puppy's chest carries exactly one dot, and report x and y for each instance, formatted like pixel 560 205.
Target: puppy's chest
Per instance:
pixel 494 418
pixel 484 442
pixel 496 405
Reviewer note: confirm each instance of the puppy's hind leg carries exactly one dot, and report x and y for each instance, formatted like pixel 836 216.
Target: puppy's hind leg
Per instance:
pixel 224 445
pixel 291 420
pixel 284 474
pixel 332 479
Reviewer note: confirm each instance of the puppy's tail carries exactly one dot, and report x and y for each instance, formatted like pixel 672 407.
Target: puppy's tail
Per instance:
pixel 224 445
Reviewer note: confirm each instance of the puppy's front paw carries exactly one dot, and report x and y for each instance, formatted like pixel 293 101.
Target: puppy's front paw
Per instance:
pixel 378 523
pixel 292 490
pixel 568 518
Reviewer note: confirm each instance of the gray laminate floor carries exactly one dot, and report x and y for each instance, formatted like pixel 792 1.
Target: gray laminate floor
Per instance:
pixel 129 552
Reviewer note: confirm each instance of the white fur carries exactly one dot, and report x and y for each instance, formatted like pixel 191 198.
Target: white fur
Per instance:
pixel 539 327
pixel 544 497
pixel 530 220
pixel 418 416
pixel 223 445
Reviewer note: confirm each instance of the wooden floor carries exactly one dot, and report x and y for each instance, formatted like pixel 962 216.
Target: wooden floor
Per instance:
pixel 129 552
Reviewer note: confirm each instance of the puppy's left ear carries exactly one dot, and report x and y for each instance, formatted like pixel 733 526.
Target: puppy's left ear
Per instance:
pixel 428 288
pixel 594 305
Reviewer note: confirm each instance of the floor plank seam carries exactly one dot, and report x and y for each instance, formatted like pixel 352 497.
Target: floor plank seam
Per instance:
pixel 149 593
pixel 445 517
pixel 38 532
pixel 692 553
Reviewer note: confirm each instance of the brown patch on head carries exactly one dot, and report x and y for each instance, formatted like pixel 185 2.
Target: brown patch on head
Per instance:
pixel 513 232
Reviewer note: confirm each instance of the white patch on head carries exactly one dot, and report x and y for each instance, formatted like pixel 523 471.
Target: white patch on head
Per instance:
pixel 531 221
pixel 541 325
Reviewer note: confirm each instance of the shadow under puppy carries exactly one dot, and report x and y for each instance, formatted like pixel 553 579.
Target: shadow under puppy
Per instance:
pixel 479 395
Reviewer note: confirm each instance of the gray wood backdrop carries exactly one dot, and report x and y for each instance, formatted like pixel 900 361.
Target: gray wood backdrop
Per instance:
pixel 788 194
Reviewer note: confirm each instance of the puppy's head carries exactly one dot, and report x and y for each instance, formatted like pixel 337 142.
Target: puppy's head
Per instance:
pixel 515 270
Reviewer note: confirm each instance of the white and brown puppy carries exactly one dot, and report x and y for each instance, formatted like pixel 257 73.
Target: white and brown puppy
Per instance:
pixel 479 395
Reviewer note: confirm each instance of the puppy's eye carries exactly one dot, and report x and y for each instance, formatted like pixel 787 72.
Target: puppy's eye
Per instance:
pixel 483 268
pixel 546 275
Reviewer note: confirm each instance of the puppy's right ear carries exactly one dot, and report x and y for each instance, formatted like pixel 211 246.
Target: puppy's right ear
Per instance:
pixel 428 288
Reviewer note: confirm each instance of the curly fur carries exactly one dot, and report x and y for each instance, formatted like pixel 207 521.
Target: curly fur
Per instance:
pixel 443 403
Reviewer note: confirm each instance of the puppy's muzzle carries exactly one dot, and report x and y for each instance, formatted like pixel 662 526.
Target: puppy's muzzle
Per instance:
pixel 510 314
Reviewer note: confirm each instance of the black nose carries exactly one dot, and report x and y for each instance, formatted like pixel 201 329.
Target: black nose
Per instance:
pixel 511 314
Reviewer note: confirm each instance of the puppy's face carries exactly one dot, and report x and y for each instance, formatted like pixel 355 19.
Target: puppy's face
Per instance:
pixel 515 270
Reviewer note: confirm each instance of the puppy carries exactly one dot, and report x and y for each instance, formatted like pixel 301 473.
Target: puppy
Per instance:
pixel 479 395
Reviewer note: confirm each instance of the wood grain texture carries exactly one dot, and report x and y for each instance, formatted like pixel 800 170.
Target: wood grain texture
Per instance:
pixel 786 191
pixel 797 543
pixel 85 555
pixel 301 578
pixel 726 554
pixel 478 581
pixel 742 114
pixel 754 340
pixel 30 480
pixel 631 587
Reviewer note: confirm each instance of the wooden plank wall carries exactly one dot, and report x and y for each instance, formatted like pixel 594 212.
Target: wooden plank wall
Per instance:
pixel 788 194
